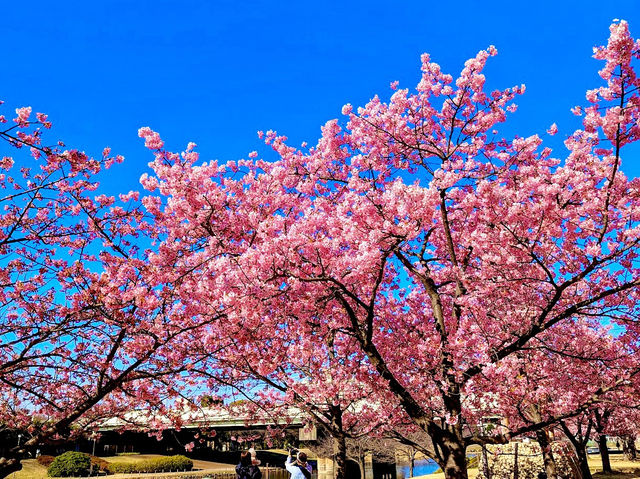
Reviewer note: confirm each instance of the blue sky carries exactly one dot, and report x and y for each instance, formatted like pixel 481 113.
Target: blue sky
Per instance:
pixel 215 72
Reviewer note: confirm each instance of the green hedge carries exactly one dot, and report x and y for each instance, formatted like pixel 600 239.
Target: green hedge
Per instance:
pixel 157 464
pixel 70 464
pixel 97 464
pixel 122 468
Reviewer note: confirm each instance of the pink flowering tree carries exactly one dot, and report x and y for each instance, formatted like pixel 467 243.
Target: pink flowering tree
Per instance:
pixel 617 418
pixel 274 368
pixel 447 253
pixel 82 335
pixel 553 382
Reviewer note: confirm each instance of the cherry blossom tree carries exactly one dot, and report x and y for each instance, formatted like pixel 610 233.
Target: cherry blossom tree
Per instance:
pixel 623 423
pixel 551 376
pixel 83 336
pixel 278 379
pixel 449 254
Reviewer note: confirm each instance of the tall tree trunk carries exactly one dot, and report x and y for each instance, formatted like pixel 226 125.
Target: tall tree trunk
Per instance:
pixel 453 459
pixel 601 420
pixel 340 449
pixel 547 454
pixel 412 462
pixel 579 443
pixel 604 453
pixel 629 448
pixel 583 462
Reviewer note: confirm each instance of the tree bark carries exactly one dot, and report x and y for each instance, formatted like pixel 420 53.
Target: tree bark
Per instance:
pixel 362 467
pixel 601 420
pixel 629 448
pixel 412 461
pixel 340 448
pixel 453 460
pixel 485 463
pixel 583 463
pixel 604 453
pixel 579 443
pixel 547 454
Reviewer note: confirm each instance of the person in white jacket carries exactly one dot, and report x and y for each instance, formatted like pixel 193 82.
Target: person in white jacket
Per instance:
pixel 300 468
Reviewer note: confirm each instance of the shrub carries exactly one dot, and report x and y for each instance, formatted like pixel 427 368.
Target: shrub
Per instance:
pixel 171 463
pixel 157 464
pixel 99 464
pixel 45 460
pixel 70 464
pixel 123 467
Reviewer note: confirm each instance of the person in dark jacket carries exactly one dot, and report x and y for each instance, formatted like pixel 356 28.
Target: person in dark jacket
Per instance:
pixel 248 468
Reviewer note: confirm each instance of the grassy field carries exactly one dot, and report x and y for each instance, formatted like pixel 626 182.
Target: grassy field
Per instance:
pixel 624 469
pixel 32 469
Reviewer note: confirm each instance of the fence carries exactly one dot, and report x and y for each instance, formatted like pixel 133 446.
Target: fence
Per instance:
pixel 524 461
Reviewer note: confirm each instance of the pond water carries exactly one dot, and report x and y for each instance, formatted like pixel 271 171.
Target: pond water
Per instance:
pixel 421 467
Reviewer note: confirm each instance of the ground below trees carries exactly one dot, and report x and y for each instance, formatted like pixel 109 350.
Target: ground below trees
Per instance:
pixel 624 469
pixel 32 469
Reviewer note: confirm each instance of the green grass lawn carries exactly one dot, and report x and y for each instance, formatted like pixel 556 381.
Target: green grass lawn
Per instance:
pixel 32 469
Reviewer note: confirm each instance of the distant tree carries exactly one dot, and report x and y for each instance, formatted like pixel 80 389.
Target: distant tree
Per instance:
pixel 358 448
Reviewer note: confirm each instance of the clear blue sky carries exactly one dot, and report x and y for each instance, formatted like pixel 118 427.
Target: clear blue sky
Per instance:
pixel 215 72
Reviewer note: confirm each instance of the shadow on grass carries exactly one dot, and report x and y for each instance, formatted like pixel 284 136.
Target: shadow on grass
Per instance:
pixel 626 472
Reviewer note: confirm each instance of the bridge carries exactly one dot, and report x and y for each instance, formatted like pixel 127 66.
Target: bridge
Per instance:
pixel 218 433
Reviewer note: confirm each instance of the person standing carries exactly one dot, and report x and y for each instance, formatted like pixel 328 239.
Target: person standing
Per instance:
pixel 300 468
pixel 248 467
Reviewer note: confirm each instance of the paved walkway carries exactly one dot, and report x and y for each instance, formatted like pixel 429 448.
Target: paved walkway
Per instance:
pixel 212 466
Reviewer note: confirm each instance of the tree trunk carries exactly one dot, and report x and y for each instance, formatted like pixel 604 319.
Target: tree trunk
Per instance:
pixel 340 450
pixel 629 448
pixel 547 454
pixel 583 462
pixel 454 460
pixel 579 443
pixel 362 468
pixel 412 463
pixel 604 453
pixel 485 463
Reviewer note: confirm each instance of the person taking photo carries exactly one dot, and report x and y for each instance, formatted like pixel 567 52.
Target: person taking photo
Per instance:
pixel 299 468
